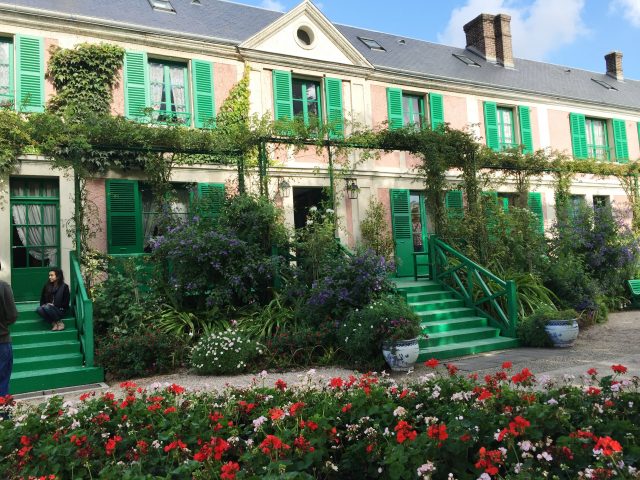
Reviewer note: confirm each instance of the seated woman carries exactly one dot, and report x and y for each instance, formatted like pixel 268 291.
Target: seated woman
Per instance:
pixel 54 300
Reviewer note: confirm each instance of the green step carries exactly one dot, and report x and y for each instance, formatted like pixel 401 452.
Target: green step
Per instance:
pixel 453 324
pixel 445 313
pixel 25 338
pixel 409 286
pixel 37 325
pixel 436 305
pixel 47 361
pixel 460 335
pixel 428 296
pixel 467 348
pixel 40 380
pixel 47 348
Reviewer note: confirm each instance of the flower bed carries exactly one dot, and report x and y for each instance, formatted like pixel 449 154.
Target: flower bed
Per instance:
pixel 508 425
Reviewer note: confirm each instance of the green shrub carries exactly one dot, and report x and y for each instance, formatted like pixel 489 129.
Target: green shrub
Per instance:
pixel 364 330
pixel 220 353
pixel 302 346
pixel 531 330
pixel 138 353
pixel 188 326
pixel 375 230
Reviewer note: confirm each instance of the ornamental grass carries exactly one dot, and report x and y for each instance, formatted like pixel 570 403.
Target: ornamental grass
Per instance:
pixel 445 426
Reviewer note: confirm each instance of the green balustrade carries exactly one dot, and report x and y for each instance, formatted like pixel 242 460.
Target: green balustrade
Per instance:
pixel 83 310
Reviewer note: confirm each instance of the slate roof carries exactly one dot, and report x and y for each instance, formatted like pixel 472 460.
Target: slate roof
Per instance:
pixel 234 23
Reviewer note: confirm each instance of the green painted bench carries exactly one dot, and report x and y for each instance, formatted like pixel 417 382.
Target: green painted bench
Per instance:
pixel 634 286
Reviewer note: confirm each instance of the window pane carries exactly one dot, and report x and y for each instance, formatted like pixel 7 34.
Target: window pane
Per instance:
pixel 178 98
pixel 4 69
pixel 297 88
pixel 298 108
pixel 312 93
pixel 312 108
pixel 156 80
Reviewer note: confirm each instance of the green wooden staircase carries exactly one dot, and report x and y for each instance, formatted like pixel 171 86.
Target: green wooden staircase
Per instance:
pixel 453 329
pixel 44 360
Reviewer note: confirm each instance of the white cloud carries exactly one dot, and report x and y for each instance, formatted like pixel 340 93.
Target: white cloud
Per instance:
pixel 630 10
pixel 537 29
pixel 273 5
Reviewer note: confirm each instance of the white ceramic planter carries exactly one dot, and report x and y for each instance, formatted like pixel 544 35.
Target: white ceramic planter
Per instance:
pixel 562 332
pixel 401 355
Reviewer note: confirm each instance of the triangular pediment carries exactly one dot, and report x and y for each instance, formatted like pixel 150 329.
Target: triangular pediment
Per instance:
pixel 306 32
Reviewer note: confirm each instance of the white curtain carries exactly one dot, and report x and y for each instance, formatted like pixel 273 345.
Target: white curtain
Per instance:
pixel 176 75
pixel 4 69
pixel 149 216
pixel 156 78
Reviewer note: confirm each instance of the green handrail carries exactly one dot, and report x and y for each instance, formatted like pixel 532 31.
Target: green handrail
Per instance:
pixel 493 297
pixel 83 309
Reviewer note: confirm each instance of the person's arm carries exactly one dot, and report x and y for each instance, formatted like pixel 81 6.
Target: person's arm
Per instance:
pixel 9 305
pixel 43 296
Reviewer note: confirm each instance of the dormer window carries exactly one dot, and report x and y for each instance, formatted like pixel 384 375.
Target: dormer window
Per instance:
pixel 162 5
pixel 604 84
pixel 466 60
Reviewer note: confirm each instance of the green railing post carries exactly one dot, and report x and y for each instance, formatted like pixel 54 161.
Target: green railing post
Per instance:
pixel 83 309
pixel 470 273
pixel 431 239
pixel 88 333
pixel 512 307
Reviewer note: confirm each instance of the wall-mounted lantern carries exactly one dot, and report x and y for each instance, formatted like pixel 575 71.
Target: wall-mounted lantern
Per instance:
pixel 352 188
pixel 284 188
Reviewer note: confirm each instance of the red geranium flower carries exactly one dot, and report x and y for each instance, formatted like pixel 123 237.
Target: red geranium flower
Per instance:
pixel 432 363
pixel 281 385
pixel 273 444
pixel 177 389
pixel 607 446
pixel 452 369
pixel 229 470
pixel 592 372
pixel 438 432
pixel 522 377
pixel 489 459
pixel 404 432
pixel 276 413
pixel 506 365
pixel 336 382
pixel 619 368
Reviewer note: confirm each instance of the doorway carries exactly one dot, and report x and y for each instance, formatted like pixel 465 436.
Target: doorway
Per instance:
pixel 409 222
pixel 303 199
pixel 35 234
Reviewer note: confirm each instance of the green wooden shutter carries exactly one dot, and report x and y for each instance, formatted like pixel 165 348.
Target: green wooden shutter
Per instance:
pixel 124 217
pixel 394 108
pixel 30 74
pixel 535 205
pixel 203 97
pixel 526 136
pixel 620 140
pixel 491 125
pixel 282 95
pixel 454 204
pixel 136 85
pixel 436 110
pixel 578 135
pixel 402 233
pixel 335 115
pixel 211 197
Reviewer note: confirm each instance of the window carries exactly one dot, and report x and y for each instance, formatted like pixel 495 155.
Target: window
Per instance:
pixel 500 128
pixel 413 110
pixel 409 109
pixel 604 84
pixel 168 92
pixel 576 204
pixel 306 100
pixel 506 133
pixel 372 44
pixel 133 218
pixel 597 142
pixel 163 87
pixel 507 200
pixel 590 138
pixel 162 5
pixel 466 60
pixel 22 73
pixel 601 201
pixel 6 72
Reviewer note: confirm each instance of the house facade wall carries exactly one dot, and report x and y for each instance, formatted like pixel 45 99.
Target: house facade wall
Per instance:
pixel 364 94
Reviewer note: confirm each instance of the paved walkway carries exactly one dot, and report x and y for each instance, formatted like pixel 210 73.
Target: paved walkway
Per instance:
pixel 615 342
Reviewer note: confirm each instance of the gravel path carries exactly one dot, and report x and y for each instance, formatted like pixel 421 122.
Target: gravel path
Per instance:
pixel 615 342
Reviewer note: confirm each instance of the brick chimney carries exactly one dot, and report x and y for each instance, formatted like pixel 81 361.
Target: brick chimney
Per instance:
pixel 614 65
pixel 504 50
pixel 481 38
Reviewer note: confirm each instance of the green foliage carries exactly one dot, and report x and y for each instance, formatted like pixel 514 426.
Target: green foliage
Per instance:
pixel 138 353
pixel 265 322
pixel 531 330
pixel 362 333
pixel 84 76
pixel 375 230
pixel 255 220
pixel 532 294
pixel 119 302
pixel 187 326
pixel 14 138
pixel 301 345
pixel 226 352
pixel 316 244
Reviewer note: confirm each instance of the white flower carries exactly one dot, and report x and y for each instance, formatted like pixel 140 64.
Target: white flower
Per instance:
pixel 399 412
pixel 552 401
pixel 313 209
pixel 309 222
pixel 544 455
pixel 426 468
pixel 258 422
pixel 525 445
pixel 484 476
pixel 328 211
pixel 263 374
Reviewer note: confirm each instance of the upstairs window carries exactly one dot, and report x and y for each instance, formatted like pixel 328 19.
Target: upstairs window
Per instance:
pixel 22 73
pixel 413 110
pixel 590 138
pixel 309 99
pixel 500 127
pixel 597 143
pixel 6 72
pixel 306 100
pixel 406 109
pixel 169 94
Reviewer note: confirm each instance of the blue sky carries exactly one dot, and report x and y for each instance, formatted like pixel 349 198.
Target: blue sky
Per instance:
pixel 575 33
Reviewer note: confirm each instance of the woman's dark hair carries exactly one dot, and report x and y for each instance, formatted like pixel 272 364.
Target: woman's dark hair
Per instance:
pixel 59 276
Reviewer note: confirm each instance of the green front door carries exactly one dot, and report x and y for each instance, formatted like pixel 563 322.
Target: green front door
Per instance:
pixel 409 222
pixel 35 234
